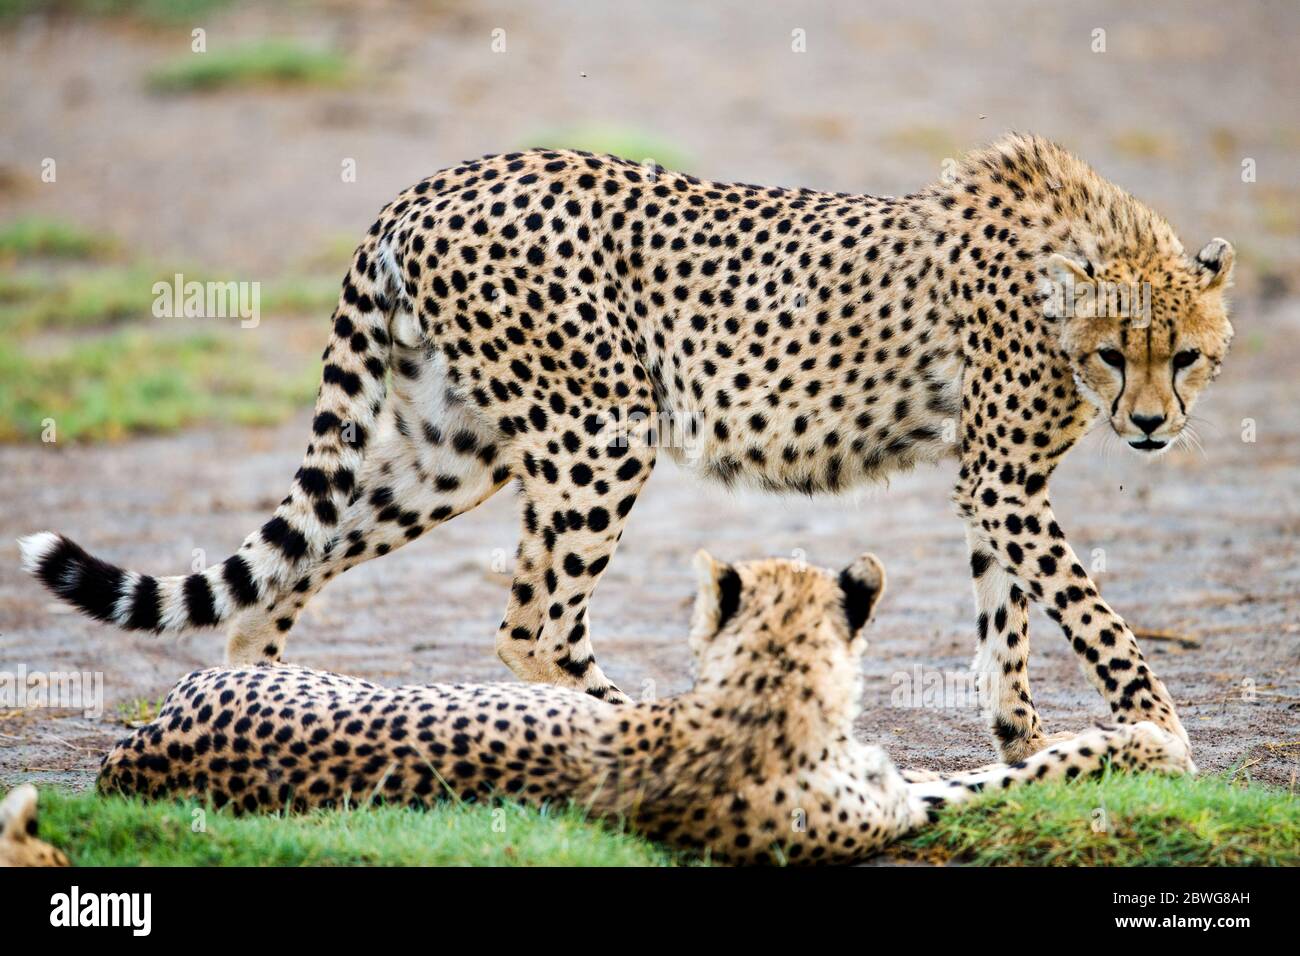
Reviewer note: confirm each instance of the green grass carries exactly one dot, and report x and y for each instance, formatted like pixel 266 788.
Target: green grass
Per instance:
pixel 304 295
pixel 76 300
pixel 46 238
pixel 114 831
pixel 620 141
pixel 159 11
pixel 111 295
pixel 1149 821
pixel 134 381
pixel 268 63
pixel 82 346
pixel 138 710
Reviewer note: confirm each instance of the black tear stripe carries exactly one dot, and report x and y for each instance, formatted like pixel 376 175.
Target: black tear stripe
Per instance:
pixel 239 579
pixel 146 614
pixel 199 602
pixel 90 584
pixel 1173 386
pixel 1123 384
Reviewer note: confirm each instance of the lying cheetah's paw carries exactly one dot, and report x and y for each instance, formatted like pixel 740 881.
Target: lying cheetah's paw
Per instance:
pixel 1025 747
pixel 1150 747
pixel 917 775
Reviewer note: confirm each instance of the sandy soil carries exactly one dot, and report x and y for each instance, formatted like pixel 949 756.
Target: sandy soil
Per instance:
pixel 1200 545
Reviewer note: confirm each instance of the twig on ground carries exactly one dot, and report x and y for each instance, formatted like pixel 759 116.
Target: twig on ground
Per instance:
pixel 66 743
pixel 1159 634
pixel 1273 747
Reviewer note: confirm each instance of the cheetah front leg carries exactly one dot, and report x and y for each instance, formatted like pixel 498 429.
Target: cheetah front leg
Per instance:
pixel 1002 657
pixel 1014 523
pixel 1139 746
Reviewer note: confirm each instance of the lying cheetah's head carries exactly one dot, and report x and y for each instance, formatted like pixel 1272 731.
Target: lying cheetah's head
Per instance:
pixel 777 625
pixel 18 843
pixel 1145 335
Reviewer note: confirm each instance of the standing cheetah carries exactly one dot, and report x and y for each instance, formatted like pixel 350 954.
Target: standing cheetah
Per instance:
pixel 535 316
pixel 756 764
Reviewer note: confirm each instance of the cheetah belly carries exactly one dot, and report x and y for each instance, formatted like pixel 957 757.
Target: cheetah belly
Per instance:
pixel 894 424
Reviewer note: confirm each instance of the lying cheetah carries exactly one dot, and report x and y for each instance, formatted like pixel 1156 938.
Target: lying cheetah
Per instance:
pixel 756 764
pixel 541 313
pixel 19 845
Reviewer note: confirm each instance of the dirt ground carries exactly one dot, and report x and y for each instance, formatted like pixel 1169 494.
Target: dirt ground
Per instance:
pixel 1201 545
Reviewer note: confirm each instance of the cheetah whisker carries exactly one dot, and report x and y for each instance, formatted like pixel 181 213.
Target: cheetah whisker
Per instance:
pixel 1192 441
pixel 1202 422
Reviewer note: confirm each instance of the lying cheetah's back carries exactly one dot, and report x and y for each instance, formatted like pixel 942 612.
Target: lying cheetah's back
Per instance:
pixel 271 737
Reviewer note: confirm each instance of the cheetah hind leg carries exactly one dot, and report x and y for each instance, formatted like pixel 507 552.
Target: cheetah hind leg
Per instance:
pixel 1140 746
pixel 917 775
pixel 575 503
pixel 922 775
pixel 409 485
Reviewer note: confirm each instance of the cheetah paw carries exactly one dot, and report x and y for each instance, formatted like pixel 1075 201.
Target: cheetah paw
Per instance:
pixel 1025 747
pixel 1151 747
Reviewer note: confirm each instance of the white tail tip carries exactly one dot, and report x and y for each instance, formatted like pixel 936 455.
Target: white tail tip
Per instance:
pixel 35 547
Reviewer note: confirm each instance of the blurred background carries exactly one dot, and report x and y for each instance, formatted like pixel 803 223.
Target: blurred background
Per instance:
pixel 254 143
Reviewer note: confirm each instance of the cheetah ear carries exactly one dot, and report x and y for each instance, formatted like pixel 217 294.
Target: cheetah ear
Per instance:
pixel 18 813
pixel 719 590
pixel 1061 267
pixel 862 583
pixel 1214 264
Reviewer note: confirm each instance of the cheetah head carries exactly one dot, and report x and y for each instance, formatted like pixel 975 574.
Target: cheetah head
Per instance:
pixel 764 626
pixel 1144 335
pixel 18 843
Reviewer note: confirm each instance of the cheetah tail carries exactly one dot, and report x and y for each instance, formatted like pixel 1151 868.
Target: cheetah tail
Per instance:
pixel 303 527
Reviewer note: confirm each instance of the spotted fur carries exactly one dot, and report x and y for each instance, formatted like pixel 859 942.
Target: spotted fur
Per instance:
pixel 756 764
pixel 553 318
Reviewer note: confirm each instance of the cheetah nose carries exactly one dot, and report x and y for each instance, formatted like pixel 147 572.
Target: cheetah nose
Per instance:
pixel 1148 423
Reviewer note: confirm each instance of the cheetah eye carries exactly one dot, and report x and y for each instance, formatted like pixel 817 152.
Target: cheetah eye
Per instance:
pixel 1112 357
pixel 1186 357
